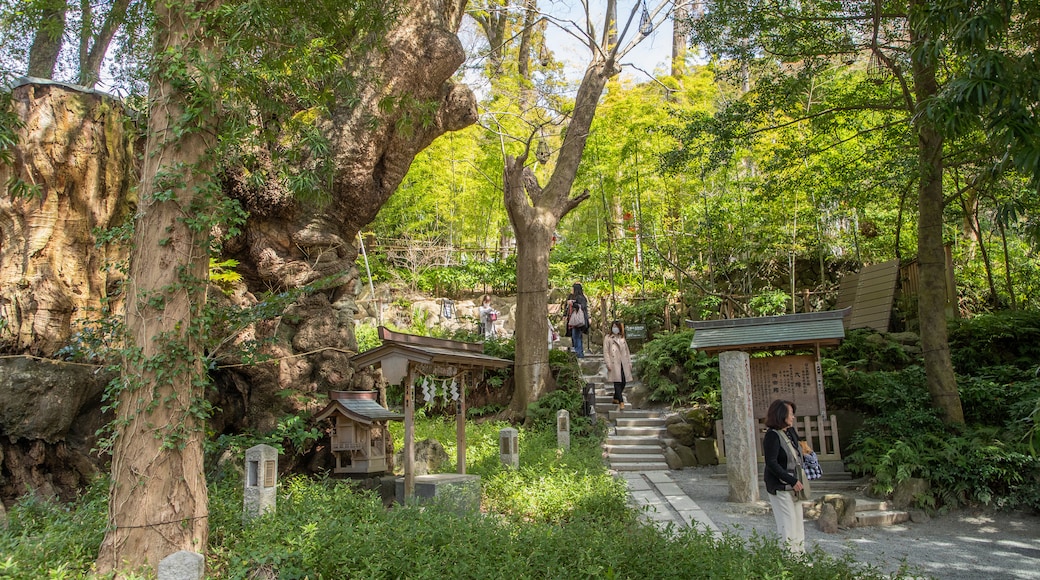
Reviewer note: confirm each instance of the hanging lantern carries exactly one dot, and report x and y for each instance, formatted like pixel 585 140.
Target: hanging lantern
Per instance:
pixel 544 56
pixel 541 152
pixel 646 26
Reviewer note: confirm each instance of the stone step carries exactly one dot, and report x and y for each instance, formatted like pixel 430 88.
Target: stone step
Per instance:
pixel 647 449
pixel 628 440
pixel 648 466
pixel 881 517
pixel 651 432
pixel 638 457
pixel 640 422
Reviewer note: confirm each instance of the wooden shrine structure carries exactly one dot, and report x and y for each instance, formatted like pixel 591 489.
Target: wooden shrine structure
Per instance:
pixel 794 377
pixel 403 358
pixel 359 432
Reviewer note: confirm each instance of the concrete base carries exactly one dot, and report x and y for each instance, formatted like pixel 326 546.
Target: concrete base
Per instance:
pixel 460 492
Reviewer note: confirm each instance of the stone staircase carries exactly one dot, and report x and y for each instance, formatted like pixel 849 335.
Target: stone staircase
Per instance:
pixel 634 443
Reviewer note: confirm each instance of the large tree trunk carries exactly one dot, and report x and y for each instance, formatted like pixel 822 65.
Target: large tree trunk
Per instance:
pixel 43 54
pixel 158 503
pixel 75 149
pixel 942 382
pixel 535 212
pixel 286 243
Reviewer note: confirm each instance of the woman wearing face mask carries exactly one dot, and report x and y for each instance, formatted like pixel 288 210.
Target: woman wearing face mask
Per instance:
pixel 619 361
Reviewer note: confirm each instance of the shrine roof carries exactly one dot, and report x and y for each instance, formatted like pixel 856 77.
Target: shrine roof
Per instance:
pixel 769 332
pixel 399 349
pixel 363 410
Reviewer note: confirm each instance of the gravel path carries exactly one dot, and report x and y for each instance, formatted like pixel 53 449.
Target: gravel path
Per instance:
pixel 959 546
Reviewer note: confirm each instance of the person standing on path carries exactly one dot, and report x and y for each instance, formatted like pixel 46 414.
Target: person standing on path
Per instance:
pixel 780 478
pixel 488 317
pixel 577 318
pixel 619 361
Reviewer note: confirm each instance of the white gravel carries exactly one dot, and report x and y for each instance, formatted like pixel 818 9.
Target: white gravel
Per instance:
pixel 966 544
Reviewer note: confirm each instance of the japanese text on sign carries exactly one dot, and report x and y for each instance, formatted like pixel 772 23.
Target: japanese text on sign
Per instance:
pixel 793 378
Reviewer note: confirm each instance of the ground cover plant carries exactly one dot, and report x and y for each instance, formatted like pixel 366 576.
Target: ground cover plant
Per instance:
pixel 560 515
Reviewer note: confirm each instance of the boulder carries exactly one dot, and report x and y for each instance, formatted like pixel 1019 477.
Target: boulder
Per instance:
pixel 844 507
pixel 429 457
pixel 702 421
pixel 707 450
pixel 828 520
pixel 688 457
pixel 683 433
pixel 672 459
pixel 919 516
pixel 906 492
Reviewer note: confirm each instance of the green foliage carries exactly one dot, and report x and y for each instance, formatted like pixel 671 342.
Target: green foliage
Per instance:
pixel 560 515
pixel 47 539
pixel 676 374
pixel 557 487
pixel 649 312
pixel 985 462
pixel 367 337
pixel 222 273
pixel 1010 337
pixel 969 468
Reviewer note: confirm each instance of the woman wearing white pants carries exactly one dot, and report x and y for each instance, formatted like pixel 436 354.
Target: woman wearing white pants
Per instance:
pixel 781 481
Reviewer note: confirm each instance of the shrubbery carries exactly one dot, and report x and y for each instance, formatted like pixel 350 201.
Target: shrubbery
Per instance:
pixel 985 462
pixel 560 515
pixel 677 375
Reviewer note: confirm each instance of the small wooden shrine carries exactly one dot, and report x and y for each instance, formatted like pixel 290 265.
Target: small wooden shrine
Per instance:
pixel 444 367
pixel 359 432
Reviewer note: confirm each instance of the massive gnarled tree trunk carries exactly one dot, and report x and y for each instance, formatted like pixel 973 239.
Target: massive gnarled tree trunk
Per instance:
pixel 942 382
pixel 287 243
pixel 158 502
pixel 75 150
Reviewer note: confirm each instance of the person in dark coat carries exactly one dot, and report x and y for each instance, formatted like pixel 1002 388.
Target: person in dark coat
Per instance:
pixel 577 307
pixel 781 481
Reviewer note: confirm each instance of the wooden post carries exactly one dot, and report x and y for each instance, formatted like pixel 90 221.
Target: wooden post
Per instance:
pixel 460 426
pixel 409 434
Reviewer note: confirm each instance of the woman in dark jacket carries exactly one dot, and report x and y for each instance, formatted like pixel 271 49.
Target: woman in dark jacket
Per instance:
pixel 577 301
pixel 781 481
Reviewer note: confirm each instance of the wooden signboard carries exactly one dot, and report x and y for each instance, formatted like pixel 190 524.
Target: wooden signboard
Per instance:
pixel 795 378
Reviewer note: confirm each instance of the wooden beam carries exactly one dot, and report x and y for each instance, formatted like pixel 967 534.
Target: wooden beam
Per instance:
pixel 409 435
pixel 460 426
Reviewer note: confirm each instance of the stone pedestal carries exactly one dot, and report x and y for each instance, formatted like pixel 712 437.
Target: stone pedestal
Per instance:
pixel 261 482
pixel 738 421
pixel 460 493
pixel 182 565
pixel 563 429
pixel 509 447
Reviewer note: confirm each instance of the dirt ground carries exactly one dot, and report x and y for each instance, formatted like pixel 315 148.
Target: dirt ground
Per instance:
pixel 962 545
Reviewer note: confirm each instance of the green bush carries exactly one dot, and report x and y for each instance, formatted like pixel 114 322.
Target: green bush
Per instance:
pixel 676 374
pixel 1001 338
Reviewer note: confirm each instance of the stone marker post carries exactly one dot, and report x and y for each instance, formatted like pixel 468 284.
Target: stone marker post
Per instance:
pixel 563 429
pixel 183 565
pixel 261 481
pixel 509 447
pixel 738 423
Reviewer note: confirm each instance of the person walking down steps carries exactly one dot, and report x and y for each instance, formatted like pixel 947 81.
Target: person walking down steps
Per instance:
pixel 577 318
pixel 618 360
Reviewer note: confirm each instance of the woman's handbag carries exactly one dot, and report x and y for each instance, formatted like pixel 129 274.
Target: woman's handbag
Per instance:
pixel 799 470
pixel 577 319
pixel 812 465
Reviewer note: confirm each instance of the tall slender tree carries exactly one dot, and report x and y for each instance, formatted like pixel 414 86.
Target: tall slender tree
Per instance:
pixel 535 210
